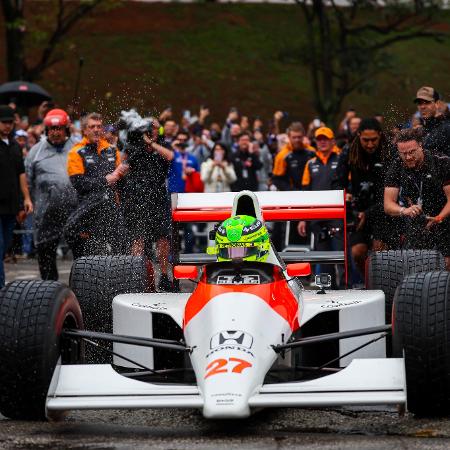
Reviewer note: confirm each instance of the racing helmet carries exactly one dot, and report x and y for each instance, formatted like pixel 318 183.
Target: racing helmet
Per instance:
pixel 241 238
pixel 56 118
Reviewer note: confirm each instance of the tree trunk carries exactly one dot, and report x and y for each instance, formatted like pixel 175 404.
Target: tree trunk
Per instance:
pixel 14 38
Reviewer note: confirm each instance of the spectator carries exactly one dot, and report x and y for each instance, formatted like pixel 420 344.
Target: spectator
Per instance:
pixel 215 132
pixel 231 129
pixel 13 183
pixel 436 127
pixel 217 172
pixel 246 164
pixel 264 174
pixel 144 196
pixel 361 169
pixel 344 125
pixel 418 189
pixel 353 125
pixel 289 163
pixel 245 123
pixel 318 175
pixel 183 165
pixel 94 168
pixel 170 130
pixel 53 196
pixel 201 146
pixel 21 138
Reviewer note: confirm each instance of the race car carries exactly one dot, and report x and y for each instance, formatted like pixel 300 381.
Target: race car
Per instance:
pixel 249 336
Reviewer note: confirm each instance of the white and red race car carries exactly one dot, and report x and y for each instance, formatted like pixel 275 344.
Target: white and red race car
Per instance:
pixel 249 336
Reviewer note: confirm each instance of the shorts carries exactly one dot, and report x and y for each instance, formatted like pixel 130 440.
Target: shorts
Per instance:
pixel 379 227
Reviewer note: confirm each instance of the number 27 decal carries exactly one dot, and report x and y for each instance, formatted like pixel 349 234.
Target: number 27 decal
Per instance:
pixel 219 366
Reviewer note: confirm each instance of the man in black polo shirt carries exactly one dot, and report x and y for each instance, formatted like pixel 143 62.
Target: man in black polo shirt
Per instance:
pixel 417 187
pixel 13 183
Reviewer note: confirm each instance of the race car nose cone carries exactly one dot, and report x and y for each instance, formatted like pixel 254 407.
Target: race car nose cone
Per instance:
pixel 226 405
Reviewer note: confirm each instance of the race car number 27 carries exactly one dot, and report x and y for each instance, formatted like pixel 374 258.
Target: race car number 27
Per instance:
pixel 235 365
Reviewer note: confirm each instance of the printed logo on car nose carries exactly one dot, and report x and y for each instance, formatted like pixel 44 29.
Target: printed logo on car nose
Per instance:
pixel 232 337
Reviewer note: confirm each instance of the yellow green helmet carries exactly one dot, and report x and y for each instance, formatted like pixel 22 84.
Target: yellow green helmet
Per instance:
pixel 241 237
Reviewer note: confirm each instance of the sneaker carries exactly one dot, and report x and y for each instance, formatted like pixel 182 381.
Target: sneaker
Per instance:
pixel 165 284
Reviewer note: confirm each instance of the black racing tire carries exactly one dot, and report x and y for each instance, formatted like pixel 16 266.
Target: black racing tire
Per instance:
pixel 33 315
pixel 386 270
pixel 421 332
pixel 96 280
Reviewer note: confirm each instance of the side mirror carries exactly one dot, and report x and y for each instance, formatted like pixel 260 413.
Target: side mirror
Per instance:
pixel 185 272
pixel 299 269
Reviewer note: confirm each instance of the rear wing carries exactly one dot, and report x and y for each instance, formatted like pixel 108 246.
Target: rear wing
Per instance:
pixel 275 206
pixel 267 205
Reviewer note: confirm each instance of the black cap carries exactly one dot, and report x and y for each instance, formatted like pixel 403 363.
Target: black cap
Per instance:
pixel 6 113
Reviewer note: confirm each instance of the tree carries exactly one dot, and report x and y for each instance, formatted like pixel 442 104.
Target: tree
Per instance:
pixel 346 46
pixel 66 16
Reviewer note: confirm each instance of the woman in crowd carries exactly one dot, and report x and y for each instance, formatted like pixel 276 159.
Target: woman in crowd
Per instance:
pixel 217 172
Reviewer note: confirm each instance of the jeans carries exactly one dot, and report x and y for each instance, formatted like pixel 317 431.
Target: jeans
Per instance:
pixel 27 238
pixel 8 222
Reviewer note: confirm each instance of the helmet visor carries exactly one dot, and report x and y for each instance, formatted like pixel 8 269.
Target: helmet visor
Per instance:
pixel 238 252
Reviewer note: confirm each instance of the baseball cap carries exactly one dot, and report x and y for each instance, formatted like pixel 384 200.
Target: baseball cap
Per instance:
pixel 6 113
pixel 21 133
pixel 426 93
pixel 324 131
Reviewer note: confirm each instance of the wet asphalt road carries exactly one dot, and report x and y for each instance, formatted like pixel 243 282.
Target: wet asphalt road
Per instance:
pixel 365 428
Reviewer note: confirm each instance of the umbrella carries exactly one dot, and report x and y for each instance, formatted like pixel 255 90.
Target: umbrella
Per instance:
pixel 23 93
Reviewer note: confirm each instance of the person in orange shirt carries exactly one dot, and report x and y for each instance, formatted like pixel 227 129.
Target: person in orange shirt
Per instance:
pixel 289 163
pixel 317 176
pixel 94 168
pixel 288 166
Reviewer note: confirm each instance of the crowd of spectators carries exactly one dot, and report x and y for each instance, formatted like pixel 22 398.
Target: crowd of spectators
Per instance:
pixel 105 187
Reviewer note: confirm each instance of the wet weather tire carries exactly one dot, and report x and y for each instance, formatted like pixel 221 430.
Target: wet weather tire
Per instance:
pixel 96 280
pixel 421 331
pixel 32 316
pixel 386 270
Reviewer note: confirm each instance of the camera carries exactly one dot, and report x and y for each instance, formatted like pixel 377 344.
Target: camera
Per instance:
pixel 182 145
pixel 132 129
pixel 327 233
pixel 366 196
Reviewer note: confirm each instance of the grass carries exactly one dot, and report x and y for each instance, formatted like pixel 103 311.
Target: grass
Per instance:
pixel 222 55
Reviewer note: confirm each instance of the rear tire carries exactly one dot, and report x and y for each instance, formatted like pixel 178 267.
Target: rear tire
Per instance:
pixel 386 270
pixel 33 315
pixel 96 280
pixel 421 329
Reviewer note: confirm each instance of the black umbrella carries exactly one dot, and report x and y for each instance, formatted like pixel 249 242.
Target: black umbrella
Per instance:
pixel 23 93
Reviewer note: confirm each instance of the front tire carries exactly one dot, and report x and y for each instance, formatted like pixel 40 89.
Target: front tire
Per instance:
pixel 33 315
pixel 421 331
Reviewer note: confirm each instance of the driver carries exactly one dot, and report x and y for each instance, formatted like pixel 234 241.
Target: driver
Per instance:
pixel 241 238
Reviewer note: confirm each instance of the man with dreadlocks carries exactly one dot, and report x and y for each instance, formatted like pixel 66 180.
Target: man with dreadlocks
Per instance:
pixel 361 169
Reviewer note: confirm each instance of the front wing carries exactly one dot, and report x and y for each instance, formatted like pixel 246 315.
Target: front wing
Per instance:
pixel 363 382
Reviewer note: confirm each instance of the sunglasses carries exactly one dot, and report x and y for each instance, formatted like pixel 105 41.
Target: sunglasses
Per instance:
pixel 7 121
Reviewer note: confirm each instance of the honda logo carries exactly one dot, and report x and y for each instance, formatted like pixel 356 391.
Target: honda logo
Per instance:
pixel 232 337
